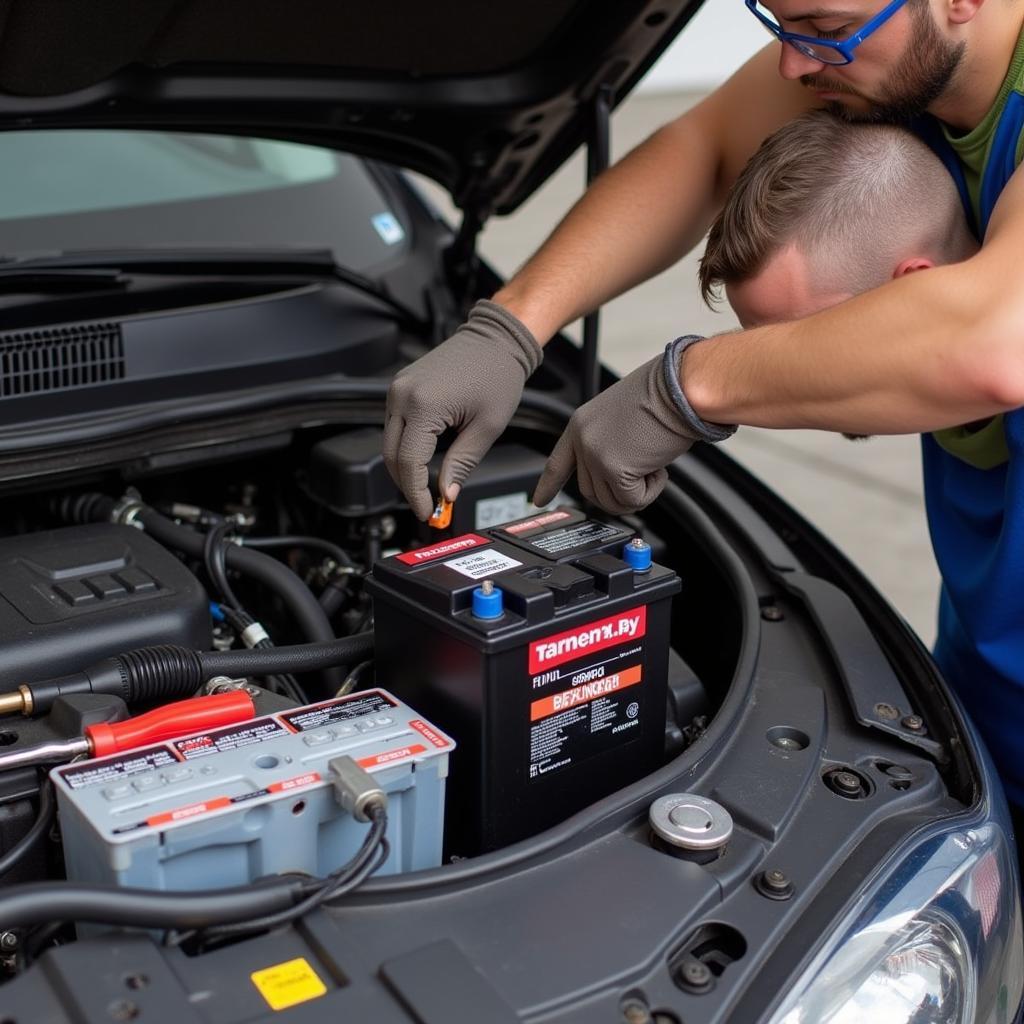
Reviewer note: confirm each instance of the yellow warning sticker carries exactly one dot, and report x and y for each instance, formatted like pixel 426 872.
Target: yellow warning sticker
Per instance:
pixel 288 984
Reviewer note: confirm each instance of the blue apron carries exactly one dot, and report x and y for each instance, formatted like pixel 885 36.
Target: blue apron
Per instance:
pixel 976 518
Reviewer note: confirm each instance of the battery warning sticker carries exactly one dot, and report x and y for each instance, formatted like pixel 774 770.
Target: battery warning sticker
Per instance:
pixel 570 726
pixel 584 693
pixel 589 697
pixel 316 717
pixel 481 564
pixel 231 738
pixel 91 773
pixel 574 538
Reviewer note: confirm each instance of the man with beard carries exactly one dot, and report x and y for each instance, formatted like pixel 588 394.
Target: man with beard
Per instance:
pixel 937 353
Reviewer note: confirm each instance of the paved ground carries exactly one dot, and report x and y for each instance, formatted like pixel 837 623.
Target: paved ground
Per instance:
pixel 865 495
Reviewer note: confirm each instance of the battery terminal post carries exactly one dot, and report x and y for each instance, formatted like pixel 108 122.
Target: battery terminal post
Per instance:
pixel 488 601
pixel 637 554
pixel 355 789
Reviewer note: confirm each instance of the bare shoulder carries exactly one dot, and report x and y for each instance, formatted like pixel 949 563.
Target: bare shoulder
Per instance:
pixel 1006 225
pixel 741 113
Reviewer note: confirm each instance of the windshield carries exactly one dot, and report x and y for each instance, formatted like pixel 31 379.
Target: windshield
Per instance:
pixel 124 189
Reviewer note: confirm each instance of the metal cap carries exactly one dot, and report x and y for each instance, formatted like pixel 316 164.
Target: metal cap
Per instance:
pixel 691 822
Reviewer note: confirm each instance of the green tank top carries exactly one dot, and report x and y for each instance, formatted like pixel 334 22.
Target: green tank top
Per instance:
pixel 984 447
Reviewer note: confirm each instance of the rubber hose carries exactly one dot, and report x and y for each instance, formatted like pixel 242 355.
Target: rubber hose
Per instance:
pixel 300 658
pixel 23 906
pixel 332 597
pixel 301 602
pixel 153 672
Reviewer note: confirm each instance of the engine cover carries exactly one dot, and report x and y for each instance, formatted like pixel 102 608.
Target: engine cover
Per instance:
pixel 76 595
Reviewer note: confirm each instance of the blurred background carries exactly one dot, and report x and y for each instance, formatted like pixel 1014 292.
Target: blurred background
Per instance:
pixel 866 496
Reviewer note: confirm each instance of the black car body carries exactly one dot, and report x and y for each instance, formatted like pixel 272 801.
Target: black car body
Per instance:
pixel 209 356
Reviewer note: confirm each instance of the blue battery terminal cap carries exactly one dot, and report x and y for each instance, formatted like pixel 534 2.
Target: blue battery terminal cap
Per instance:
pixel 488 602
pixel 637 554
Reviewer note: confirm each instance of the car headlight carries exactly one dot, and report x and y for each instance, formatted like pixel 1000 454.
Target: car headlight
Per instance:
pixel 938 941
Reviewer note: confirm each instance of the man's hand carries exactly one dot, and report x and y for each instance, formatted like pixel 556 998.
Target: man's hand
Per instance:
pixel 620 442
pixel 472 382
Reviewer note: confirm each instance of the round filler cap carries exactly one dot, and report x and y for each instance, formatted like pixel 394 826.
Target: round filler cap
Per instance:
pixel 691 822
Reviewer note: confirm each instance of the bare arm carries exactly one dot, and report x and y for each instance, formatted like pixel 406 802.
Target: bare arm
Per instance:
pixel 933 349
pixel 653 206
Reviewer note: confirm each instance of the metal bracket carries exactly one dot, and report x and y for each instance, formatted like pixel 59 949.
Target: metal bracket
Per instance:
pixel 598 158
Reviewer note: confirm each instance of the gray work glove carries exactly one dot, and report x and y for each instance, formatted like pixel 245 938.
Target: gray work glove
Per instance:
pixel 620 442
pixel 472 382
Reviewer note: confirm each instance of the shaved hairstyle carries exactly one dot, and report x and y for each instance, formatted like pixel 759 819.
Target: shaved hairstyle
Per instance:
pixel 856 198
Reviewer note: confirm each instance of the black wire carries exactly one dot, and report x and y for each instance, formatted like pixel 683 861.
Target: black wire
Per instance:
pixel 335 885
pixel 240 620
pixel 295 541
pixel 215 560
pixel 40 827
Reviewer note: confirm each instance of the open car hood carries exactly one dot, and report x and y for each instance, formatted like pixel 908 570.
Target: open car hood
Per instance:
pixel 487 99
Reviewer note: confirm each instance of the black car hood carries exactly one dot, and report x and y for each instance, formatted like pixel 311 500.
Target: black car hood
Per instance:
pixel 487 98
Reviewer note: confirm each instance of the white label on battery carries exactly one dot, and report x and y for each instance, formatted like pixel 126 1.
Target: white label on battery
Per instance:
pixel 482 563
pixel 495 511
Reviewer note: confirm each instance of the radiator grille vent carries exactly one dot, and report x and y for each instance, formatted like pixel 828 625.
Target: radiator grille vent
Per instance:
pixel 56 359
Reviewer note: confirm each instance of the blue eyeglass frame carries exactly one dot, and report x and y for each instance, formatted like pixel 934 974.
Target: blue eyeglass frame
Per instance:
pixel 843 47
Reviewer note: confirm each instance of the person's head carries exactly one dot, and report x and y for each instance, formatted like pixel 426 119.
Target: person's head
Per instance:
pixel 901 69
pixel 826 209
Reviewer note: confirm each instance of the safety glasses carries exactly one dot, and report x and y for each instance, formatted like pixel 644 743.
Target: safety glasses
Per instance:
pixel 826 51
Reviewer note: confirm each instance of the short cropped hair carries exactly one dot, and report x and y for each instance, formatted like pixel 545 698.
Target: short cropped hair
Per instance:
pixel 855 197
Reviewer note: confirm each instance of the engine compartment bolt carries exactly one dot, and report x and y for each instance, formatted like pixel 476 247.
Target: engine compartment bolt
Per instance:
pixel 774 884
pixel 635 1012
pixel 8 942
pixel 915 723
pixel 695 975
pixel 772 613
pixel 845 782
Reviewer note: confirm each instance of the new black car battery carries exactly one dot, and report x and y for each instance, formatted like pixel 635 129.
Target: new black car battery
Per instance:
pixel 543 652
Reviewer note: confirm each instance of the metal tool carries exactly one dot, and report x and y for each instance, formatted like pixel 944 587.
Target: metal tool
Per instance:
pixel 172 720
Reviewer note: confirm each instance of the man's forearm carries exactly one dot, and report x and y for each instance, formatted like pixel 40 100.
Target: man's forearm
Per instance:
pixel 919 354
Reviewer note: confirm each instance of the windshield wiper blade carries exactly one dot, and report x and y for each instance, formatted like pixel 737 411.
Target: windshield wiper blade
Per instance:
pixel 199 261
pixel 46 279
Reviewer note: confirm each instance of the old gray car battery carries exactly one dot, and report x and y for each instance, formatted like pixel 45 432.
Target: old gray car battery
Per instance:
pixel 225 807
pixel 553 684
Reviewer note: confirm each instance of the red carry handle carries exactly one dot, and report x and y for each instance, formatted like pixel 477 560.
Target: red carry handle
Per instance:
pixel 177 719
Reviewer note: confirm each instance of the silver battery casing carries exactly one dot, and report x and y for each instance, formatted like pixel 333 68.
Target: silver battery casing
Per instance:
pixel 228 806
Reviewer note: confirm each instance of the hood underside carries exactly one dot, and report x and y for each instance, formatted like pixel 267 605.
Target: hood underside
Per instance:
pixel 487 99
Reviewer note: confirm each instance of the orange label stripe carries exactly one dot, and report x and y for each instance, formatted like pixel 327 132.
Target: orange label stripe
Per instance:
pixel 189 811
pixel 392 755
pixel 585 693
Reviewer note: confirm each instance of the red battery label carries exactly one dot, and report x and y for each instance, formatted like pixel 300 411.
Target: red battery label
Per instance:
pixel 590 637
pixel 447 547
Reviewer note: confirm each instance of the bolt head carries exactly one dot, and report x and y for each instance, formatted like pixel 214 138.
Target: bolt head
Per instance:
pixel 635 1012
pixel 695 973
pixel 772 613
pixel 915 723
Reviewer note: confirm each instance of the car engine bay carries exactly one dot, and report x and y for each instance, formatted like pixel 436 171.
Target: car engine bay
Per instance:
pixel 485 682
